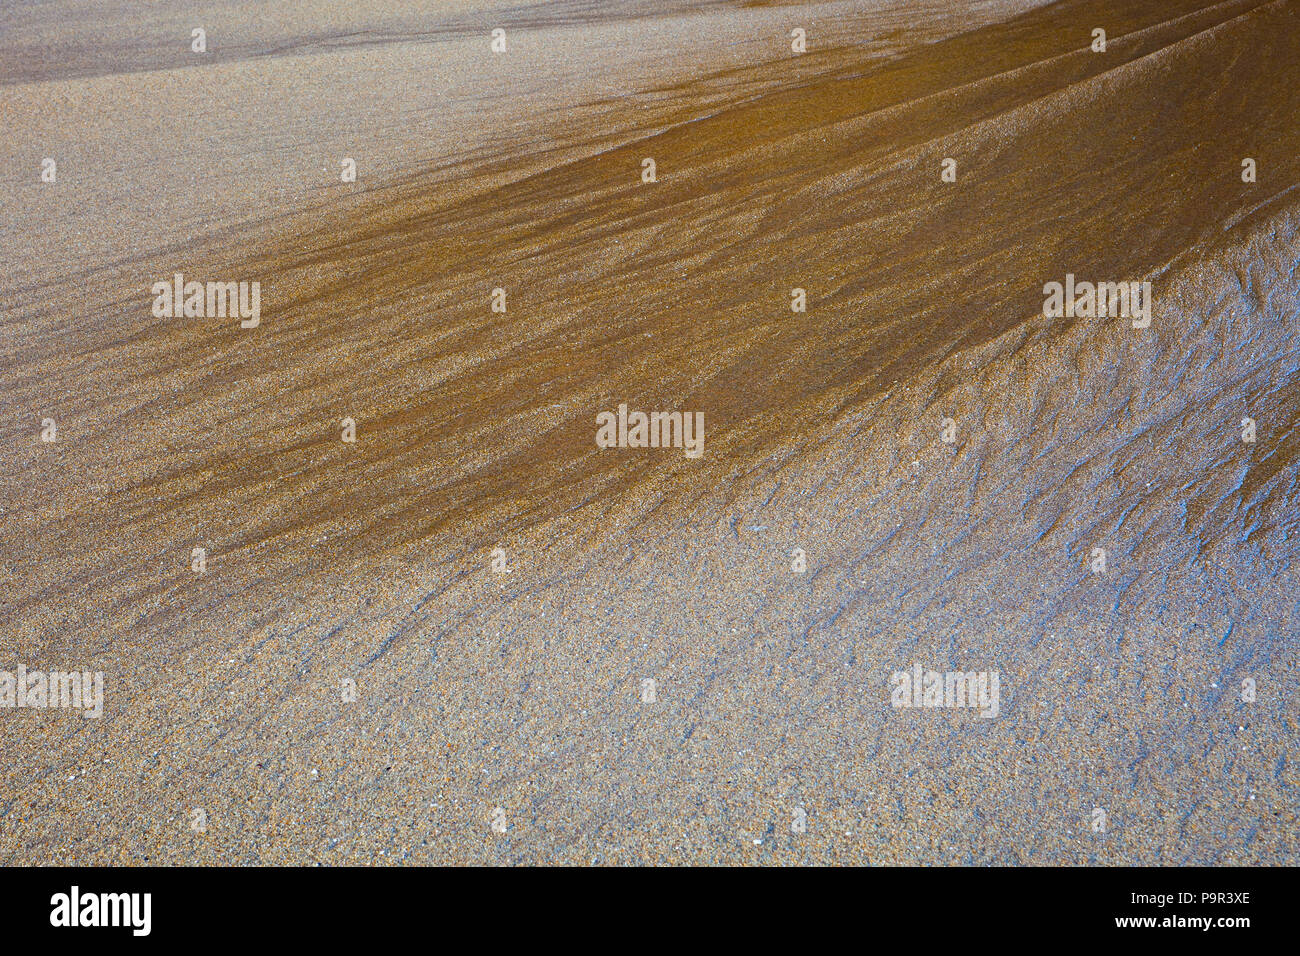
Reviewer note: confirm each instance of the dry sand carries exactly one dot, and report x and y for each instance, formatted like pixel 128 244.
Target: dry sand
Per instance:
pixel 371 562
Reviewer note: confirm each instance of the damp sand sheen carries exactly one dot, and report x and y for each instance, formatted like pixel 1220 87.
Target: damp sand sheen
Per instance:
pixel 363 580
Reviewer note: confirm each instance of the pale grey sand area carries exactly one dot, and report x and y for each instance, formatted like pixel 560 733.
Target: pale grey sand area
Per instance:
pixel 474 636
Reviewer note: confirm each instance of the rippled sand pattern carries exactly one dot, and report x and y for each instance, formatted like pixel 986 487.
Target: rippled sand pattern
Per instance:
pixel 371 561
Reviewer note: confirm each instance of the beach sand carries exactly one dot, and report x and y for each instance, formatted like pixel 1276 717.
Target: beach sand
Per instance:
pixel 503 718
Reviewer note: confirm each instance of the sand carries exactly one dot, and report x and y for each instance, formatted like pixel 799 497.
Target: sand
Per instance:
pixel 502 718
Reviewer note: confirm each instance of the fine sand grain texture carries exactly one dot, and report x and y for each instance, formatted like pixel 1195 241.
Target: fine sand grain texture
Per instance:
pixel 432 644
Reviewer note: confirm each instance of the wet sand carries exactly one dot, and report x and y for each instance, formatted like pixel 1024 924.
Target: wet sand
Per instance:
pixel 372 561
